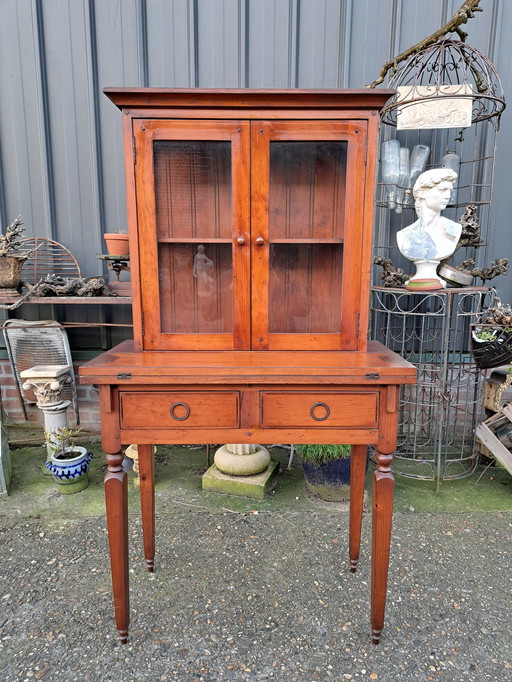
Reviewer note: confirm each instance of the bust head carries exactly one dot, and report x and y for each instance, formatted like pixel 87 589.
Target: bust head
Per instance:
pixel 433 189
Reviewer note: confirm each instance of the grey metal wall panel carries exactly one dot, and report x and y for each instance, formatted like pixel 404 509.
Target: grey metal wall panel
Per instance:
pixel 61 155
pixel 272 43
pixel 172 29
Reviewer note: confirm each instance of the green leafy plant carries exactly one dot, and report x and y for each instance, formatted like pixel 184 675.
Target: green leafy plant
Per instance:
pixel 322 453
pixel 61 440
pixel 482 334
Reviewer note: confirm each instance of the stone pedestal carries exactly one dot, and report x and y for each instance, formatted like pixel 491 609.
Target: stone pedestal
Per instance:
pixel 47 382
pixel 241 469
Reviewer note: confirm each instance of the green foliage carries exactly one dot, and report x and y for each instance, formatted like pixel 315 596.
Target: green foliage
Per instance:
pixel 321 453
pixel 482 334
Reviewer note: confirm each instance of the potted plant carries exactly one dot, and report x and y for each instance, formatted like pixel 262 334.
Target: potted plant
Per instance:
pixel 117 244
pixel 11 257
pixel 491 339
pixel 68 462
pixel 327 470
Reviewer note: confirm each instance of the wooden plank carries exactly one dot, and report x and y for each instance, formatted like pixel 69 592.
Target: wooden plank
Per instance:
pixel 70 300
pixel 499 451
pixel 184 98
pixel 507 411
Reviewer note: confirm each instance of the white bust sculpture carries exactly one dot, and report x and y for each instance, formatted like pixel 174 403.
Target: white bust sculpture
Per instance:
pixel 432 238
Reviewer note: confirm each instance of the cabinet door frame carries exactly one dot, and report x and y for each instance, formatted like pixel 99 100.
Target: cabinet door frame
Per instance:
pixel 145 133
pixel 353 284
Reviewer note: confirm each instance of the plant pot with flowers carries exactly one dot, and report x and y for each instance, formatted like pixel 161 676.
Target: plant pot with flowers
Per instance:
pixel 68 462
pixel 326 470
pixel 12 258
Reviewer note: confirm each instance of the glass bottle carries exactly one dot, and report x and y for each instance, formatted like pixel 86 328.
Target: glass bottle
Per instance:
pixel 452 160
pixel 403 179
pixel 419 156
pixel 390 159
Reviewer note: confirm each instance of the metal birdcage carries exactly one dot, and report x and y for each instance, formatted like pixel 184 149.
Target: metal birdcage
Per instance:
pixel 449 97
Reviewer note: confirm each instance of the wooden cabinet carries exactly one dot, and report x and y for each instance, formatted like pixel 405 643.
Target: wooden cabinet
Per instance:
pixel 250 219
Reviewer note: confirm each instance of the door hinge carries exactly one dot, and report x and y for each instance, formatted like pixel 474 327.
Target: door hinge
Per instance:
pixel 365 150
pixel 142 322
pixel 358 317
pixel 134 152
pixel 124 375
pixel 372 375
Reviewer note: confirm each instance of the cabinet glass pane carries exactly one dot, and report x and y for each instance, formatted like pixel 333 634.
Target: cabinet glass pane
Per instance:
pixel 307 190
pixel 196 288
pixel 194 232
pixel 193 189
pixel 305 288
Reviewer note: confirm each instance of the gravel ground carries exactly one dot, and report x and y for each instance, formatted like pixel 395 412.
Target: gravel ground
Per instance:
pixel 239 596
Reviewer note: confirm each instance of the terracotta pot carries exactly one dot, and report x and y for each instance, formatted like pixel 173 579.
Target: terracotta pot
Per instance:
pixel 117 244
pixel 10 272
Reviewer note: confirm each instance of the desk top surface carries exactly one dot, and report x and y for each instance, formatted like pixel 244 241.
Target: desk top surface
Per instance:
pixel 123 365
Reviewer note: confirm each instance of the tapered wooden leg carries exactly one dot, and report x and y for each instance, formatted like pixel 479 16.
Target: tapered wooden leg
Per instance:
pixel 382 514
pixel 116 499
pixel 147 502
pixel 357 476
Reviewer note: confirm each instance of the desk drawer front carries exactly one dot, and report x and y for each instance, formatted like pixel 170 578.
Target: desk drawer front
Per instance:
pixel 328 410
pixel 179 409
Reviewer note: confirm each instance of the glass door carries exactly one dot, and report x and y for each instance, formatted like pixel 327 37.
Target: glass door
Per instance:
pixel 193 211
pixel 310 180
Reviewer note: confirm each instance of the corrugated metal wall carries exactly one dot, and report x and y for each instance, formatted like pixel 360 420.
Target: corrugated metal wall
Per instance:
pixel 61 163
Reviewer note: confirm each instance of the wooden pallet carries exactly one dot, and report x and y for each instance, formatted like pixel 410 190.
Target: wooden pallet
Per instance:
pixel 486 434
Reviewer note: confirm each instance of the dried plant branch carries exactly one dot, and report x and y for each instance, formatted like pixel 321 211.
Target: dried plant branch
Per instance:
pixel 461 16
pixel 11 240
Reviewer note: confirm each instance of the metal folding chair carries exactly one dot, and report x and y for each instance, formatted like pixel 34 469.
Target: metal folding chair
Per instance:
pixel 42 342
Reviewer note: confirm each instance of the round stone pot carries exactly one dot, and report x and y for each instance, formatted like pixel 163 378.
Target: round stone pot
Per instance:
pixel 70 471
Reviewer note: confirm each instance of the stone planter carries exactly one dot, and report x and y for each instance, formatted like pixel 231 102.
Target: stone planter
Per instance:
pixel 70 469
pixel 10 274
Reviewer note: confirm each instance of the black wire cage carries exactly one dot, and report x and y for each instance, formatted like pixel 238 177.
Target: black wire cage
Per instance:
pixel 449 99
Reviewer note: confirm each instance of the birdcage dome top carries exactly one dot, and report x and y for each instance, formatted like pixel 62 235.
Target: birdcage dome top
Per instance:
pixel 447 69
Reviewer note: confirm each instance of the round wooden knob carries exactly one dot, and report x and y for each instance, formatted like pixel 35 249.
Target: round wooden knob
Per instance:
pixel 260 241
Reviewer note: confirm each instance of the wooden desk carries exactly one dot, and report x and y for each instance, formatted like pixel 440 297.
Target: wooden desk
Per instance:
pixel 206 397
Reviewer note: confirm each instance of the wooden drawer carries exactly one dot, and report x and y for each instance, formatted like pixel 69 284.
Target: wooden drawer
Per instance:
pixel 179 409
pixel 329 410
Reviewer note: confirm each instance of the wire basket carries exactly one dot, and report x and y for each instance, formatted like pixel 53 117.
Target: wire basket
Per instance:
pixel 495 349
